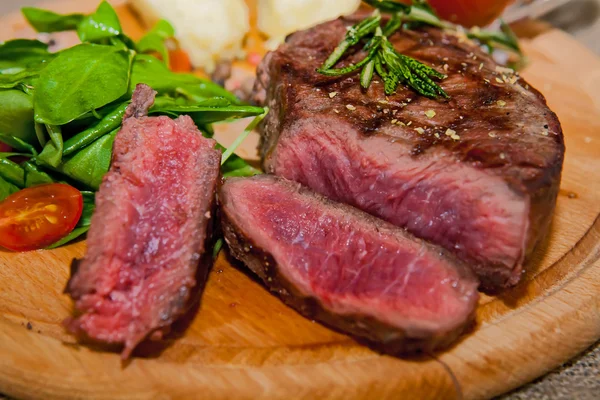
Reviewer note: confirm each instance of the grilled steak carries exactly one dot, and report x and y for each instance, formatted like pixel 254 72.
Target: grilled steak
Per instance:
pixel 478 173
pixel 150 229
pixel 354 272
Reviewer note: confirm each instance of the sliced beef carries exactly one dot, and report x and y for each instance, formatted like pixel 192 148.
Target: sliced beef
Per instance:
pixel 478 173
pixel 150 231
pixel 345 268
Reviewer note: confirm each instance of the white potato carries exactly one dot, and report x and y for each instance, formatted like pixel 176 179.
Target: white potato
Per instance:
pixel 278 18
pixel 208 30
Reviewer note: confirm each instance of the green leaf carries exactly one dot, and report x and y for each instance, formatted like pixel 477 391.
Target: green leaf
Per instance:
pixel 48 21
pixel 106 125
pixel 16 115
pixel 18 144
pixel 102 24
pixel 9 81
pixel 505 37
pixel 151 71
pixel 75 233
pixel 237 166
pixel 82 78
pixel 128 42
pixel 207 130
pixel 88 208
pixel 233 165
pixel 20 54
pixel 6 189
pixel 12 154
pixel 89 165
pixel 217 248
pixel 155 39
pixel 34 175
pixel 51 155
pixel 12 172
pixel 40 133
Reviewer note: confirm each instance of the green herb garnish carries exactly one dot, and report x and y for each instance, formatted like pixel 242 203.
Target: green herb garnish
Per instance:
pixel 395 68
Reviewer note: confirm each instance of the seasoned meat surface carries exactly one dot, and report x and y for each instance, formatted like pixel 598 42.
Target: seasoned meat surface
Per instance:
pixel 150 230
pixel 477 173
pixel 345 268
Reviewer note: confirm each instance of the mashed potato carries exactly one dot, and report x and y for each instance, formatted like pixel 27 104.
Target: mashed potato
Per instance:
pixel 214 30
pixel 208 30
pixel 278 18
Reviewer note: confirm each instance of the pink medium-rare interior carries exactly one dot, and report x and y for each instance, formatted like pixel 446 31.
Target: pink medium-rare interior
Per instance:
pixel 143 266
pixel 470 211
pixel 351 265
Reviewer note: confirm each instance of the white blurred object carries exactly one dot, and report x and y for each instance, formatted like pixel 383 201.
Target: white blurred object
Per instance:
pixel 531 9
pixel 278 18
pixel 208 30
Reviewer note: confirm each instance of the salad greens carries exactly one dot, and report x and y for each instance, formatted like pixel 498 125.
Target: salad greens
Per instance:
pixel 59 97
pixel 102 24
pixel 20 54
pixel 16 115
pixel 60 112
pixel 48 21
pixel 154 40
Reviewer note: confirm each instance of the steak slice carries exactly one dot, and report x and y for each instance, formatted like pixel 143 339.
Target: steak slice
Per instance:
pixel 345 268
pixel 478 173
pixel 150 231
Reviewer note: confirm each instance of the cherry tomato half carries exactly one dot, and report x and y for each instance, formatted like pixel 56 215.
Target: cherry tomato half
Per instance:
pixel 36 217
pixel 470 12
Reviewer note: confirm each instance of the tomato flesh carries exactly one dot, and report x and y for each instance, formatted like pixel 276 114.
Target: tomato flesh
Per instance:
pixel 470 12
pixel 36 217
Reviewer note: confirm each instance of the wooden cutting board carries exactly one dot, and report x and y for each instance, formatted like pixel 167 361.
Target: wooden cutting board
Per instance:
pixel 243 343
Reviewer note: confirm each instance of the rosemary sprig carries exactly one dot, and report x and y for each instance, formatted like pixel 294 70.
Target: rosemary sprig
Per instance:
pixel 395 68
pixel 353 36
pixel 398 68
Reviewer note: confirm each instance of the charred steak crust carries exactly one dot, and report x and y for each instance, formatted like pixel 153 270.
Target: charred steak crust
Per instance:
pixel 141 101
pixel 495 128
pixel 155 212
pixel 376 334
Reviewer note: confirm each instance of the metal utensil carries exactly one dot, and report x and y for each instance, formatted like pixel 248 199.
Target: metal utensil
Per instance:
pixel 531 9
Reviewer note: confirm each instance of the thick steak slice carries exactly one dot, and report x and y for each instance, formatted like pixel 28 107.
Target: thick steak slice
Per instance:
pixel 478 173
pixel 152 224
pixel 345 268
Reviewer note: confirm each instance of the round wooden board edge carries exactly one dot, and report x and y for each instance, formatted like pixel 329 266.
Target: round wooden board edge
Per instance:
pixel 31 364
pixel 579 321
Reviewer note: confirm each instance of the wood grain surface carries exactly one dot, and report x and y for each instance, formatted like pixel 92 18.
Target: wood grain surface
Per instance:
pixel 243 343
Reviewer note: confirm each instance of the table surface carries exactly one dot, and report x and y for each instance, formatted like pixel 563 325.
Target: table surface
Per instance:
pixel 579 378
